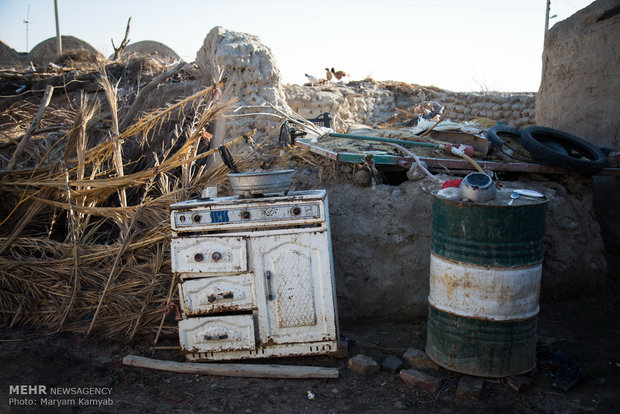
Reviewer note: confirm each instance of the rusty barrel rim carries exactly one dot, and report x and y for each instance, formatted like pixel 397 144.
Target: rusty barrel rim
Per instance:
pixel 486 234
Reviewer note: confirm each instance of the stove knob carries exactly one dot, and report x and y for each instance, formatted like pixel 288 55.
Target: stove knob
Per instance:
pixel 296 211
pixel 245 215
pixel 196 218
pixel 181 219
pixel 198 257
pixel 216 256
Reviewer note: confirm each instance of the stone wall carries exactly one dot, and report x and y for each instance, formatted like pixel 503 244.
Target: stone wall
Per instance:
pixel 514 109
pixel 369 102
pixel 362 102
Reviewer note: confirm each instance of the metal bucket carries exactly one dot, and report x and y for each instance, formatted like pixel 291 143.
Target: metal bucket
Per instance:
pixel 485 270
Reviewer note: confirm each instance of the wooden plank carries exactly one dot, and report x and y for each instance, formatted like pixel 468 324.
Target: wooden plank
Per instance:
pixel 316 149
pixel 232 370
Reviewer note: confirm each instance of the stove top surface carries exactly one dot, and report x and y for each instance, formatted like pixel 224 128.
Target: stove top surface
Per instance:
pixel 291 196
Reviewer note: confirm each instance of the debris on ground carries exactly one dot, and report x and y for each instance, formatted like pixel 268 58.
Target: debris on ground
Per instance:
pixel 363 365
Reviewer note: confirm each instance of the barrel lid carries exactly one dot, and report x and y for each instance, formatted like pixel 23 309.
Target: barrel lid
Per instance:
pixel 525 196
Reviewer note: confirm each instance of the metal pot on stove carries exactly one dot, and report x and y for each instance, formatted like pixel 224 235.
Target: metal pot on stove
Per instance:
pixel 256 183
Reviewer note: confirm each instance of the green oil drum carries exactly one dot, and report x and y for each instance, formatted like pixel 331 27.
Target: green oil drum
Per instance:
pixel 485 270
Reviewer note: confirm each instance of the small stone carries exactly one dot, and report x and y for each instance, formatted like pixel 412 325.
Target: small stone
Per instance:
pixel 399 405
pixel 418 359
pixel 363 365
pixel 335 390
pixel 519 382
pixel 469 388
pixel 362 178
pixel 397 195
pixel 391 364
pixel 421 380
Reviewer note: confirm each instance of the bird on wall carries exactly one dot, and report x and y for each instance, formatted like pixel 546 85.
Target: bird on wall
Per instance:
pixel 339 74
pixel 313 81
pixel 328 74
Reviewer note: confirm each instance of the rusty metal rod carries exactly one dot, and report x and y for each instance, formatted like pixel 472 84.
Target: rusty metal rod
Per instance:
pixel 383 139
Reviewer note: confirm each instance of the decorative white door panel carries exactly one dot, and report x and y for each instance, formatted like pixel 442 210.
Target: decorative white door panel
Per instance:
pixel 294 288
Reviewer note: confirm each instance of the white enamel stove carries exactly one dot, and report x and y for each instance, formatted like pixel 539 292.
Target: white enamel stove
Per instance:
pixel 256 276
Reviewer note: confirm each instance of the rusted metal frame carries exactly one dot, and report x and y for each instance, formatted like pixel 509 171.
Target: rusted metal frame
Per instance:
pixel 446 162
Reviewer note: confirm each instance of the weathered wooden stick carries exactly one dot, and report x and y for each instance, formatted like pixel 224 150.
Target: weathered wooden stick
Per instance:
pixel 47 97
pixel 133 110
pixel 118 51
pixel 232 370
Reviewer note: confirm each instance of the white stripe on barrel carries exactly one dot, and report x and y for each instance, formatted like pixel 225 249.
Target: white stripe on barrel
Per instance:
pixel 494 293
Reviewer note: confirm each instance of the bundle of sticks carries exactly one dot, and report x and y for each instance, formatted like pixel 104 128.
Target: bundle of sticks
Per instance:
pixel 84 226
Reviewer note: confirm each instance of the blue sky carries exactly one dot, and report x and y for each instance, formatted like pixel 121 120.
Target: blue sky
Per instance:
pixel 454 44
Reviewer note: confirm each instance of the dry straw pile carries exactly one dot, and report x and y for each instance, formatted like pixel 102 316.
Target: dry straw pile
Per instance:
pixel 84 232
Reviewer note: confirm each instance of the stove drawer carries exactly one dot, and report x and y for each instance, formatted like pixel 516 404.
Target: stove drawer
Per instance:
pixel 209 255
pixel 217 334
pixel 217 294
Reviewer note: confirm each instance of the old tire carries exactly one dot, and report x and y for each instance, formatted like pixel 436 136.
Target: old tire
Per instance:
pixel 562 149
pixel 494 132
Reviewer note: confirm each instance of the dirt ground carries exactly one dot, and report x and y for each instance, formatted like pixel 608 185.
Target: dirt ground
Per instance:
pixel 586 329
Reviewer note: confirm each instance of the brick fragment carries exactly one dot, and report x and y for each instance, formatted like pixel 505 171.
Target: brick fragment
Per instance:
pixel 419 360
pixel 420 380
pixel 519 382
pixel 391 364
pixel 469 388
pixel 363 365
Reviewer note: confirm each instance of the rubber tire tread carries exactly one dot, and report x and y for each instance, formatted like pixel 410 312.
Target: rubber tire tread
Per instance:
pixel 531 141
pixel 493 135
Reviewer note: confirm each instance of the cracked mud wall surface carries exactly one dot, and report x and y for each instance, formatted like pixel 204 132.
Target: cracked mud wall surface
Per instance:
pixel 580 85
pixel 381 246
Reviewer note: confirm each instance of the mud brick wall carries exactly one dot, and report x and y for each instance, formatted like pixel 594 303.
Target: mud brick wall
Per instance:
pixel 514 109
pixel 368 102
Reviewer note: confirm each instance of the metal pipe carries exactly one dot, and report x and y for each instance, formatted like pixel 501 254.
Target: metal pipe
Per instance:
pixel 382 139
pixel 58 38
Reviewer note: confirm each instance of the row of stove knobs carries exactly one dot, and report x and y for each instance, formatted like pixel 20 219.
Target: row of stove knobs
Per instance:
pixel 245 215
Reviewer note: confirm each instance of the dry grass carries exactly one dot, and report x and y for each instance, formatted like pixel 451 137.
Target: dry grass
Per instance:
pixel 84 234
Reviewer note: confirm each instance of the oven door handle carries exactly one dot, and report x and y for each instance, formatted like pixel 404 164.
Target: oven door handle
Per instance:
pixel 268 276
